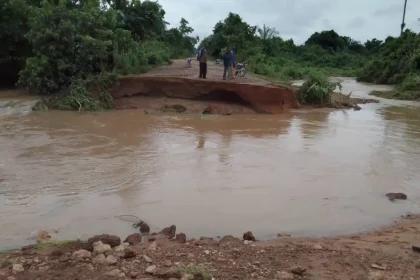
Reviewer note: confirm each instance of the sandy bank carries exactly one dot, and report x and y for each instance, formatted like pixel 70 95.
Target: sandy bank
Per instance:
pixel 383 254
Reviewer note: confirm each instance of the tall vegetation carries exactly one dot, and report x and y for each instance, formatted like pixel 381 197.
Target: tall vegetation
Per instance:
pixel 393 61
pixel 60 46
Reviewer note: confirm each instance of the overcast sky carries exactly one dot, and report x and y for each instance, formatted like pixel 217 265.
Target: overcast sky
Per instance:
pixel 298 19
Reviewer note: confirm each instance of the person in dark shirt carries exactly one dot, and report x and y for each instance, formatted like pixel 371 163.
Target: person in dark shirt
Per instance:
pixel 203 63
pixel 227 62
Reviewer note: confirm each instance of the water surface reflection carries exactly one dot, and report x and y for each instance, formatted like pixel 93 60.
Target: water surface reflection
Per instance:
pixel 306 172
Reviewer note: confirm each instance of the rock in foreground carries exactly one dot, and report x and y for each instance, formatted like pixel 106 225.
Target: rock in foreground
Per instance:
pixel 249 236
pixel 394 196
pixel 111 240
pixel 133 239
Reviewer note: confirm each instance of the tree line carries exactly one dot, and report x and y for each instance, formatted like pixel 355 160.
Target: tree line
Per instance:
pixel 60 46
pixel 394 60
pixel 51 45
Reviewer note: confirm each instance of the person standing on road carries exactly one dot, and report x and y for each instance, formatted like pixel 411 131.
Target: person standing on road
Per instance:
pixel 233 52
pixel 203 63
pixel 227 62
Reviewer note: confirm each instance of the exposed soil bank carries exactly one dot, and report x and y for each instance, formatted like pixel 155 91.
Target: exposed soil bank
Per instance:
pixel 384 254
pixel 261 99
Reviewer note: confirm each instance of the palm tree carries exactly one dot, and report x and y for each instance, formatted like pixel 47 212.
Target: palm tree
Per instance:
pixel 266 33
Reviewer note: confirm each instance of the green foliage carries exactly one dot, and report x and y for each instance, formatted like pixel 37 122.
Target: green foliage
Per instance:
pixel 317 89
pixel 68 43
pixel 60 47
pixel 392 61
pixel 199 271
pixel 14 47
pixel 63 46
pixel 397 62
pixel 83 95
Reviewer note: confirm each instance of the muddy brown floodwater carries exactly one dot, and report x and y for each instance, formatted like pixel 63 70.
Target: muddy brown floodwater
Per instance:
pixel 308 173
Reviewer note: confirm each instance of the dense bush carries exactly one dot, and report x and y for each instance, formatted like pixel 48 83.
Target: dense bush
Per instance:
pixel 392 61
pixel 397 60
pixel 59 46
pixel 317 89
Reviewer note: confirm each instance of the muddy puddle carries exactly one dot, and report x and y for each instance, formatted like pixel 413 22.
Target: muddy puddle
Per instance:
pixel 319 172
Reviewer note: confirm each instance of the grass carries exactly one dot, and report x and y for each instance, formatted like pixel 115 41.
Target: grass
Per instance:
pixel 5 263
pixel 197 270
pixel 398 95
pixel 53 244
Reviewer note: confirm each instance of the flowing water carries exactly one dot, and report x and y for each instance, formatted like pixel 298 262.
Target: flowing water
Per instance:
pixel 317 172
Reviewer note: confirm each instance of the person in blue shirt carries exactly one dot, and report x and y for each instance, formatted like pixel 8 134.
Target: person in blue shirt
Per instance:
pixel 227 62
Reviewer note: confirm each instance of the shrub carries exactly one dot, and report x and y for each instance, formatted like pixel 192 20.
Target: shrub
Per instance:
pixel 317 89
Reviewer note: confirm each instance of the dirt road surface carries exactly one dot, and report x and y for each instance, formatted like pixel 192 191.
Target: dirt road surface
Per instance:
pixel 214 72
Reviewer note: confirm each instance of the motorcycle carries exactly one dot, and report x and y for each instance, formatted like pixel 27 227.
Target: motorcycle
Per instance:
pixel 240 69
pixel 219 61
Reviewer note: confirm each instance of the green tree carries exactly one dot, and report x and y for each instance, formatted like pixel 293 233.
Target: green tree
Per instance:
pixel 14 47
pixel 184 27
pixel 266 35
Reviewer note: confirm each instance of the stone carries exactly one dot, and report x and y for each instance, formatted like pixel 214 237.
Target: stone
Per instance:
pixel 43 236
pixel 147 259
pixel 206 252
pixel 247 242
pixel 187 277
pixel 249 236
pixel 298 270
pixel 81 254
pixel 229 240
pixel 129 253
pixel 378 266
pixel 44 268
pixel 11 278
pixel 99 259
pixel 264 99
pixel 115 273
pixel 415 249
pixel 317 247
pixel 169 231
pixel 181 238
pixel 111 260
pixel 111 240
pixel 376 275
pixel 152 246
pixel 172 272
pixel 119 248
pixel 168 263
pixel 151 269
pixel 56 253
pixel 17 268
pixel 284 275
pixel 144 227
pixel 134 274
pixel 394 196
pixel 133 239
pixel 100 248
